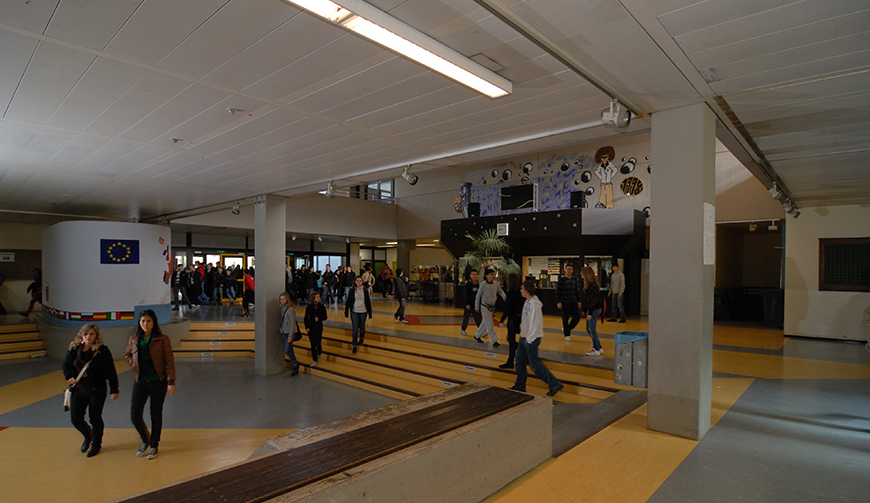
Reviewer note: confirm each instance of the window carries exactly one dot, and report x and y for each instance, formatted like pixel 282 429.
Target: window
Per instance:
pixel 375 191
pixel 844 264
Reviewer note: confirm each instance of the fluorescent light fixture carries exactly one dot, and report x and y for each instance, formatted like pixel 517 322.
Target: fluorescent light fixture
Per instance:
pixel 392 242
pixel 379 27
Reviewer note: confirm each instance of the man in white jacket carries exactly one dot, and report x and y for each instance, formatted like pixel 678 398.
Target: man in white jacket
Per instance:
pixel 531 331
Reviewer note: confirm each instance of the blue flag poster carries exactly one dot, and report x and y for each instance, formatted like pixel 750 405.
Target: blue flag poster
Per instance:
pixel 119 251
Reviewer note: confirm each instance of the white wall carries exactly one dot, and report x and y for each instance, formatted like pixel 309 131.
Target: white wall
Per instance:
pixel 75 280
pixel 808 311
pixel 317 214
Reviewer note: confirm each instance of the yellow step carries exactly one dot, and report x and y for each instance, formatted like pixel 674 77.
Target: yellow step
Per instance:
pixel 223 326
pixel 221 335
pixel 13 347
pixel 22 354
pixel 194 345
pixel 22 327
pixel 210 354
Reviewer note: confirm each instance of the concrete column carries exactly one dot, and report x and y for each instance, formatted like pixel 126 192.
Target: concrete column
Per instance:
pixel 403 255
pixel 270 221
pixel 353 256
pixel 682 254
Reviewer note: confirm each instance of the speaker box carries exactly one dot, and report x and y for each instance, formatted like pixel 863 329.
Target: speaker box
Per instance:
pixel 578 199
pixel 473 210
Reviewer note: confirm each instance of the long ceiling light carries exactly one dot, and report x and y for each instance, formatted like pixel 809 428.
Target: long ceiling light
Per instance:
pixel 374 24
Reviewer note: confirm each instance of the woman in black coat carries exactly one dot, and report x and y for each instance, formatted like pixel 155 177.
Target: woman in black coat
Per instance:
pixel 514 313
pixel 90 391
pixel 315 313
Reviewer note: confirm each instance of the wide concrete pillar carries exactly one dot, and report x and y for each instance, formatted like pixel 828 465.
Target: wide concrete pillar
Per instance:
pixel 270 220
pixel 683 157
pixel 403 255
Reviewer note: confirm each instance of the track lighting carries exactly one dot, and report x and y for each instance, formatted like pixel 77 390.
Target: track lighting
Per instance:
pixel 232 111
pixel 774 191
pixel 617 115
pixel 752 227
pixel 772 226
pixel 347 240
pixel 294 237
pixel 790 208
pixel 409 176
pixel 330 189
pixel 320 239
pixel 236 208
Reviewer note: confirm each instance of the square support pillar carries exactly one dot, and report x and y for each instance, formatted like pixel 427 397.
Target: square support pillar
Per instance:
pixel 682 246
pixel 270 242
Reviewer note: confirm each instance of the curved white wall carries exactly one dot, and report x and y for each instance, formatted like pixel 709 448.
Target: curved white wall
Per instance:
pixel 75 280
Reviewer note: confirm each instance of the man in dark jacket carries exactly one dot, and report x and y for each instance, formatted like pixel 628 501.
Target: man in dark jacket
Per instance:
pixel 175 282
pixel 401 295
pixel 347 281
pixel 568 300
pixel 329 282
pixel 470 290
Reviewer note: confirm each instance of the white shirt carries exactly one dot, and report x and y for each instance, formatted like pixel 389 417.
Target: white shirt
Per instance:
pixel 532 324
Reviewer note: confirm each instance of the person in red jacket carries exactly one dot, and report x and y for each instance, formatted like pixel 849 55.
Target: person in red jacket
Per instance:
pixel 249 292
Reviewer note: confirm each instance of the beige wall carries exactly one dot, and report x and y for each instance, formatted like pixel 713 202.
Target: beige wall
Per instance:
pixel 739 195
pixel 808 311
pixel 430 256
pixel 21 236
pixel 317 214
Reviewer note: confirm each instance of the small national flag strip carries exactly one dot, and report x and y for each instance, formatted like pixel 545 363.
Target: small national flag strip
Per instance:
pixel 106 316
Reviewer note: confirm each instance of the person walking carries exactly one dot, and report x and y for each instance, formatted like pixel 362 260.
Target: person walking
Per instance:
pixel 288 328
pixel 368 278
pixel 347 281
pixel 470 294
pixel 175 281
pixel 387 281
pixel 617 288
pixel 315 314
pixel 531 332
pixel 89 391
pixel 591 307
pixel 249 292
pixel 514 314
pixel 568 301
pixel 149 352
pixel 329 282
pixel 484 303
pixel 359 304
pixel 401 295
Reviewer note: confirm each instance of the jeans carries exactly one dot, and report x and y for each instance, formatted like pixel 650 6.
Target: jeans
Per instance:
pixel 217 294
pixel 617 307
pixel 358 324
pixel 466 314
pixel 288 350
pixel 400 313
pixel 231 292
pixel 570 310
pixel 94 406
pixel 142 391
pixel 527 354
pixel 590 328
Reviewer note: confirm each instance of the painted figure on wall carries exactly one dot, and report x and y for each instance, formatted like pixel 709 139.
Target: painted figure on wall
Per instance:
pixel 605 172
pixel 460 204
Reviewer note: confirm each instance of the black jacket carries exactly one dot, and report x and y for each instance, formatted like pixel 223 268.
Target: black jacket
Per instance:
pixel 351 298
pixel 101 369
pixel 514 310
pixel 401 287
pixel 567 291
pixel 471 293
pixel 312 312
pixel 591 298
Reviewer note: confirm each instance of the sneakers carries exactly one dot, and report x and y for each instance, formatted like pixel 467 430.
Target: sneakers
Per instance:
pixel 622 321
pixel 495 344
pixel 141 450
pixel 595 352
pixel 314 363
pixel 403 321
pixel 152 453
pixel 463 332
pixel 556 390
pixel 506 365
pixel 515 388
pixel 396 319
pixel 567 338
pixel 478 339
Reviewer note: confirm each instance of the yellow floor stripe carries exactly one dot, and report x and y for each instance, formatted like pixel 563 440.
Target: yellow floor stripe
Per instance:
pixel 23 393
pixel 44 464
pixel 624 462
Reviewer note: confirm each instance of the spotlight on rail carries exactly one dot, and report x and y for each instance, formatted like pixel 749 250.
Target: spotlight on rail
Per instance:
pixel 237 208
pixel 409 176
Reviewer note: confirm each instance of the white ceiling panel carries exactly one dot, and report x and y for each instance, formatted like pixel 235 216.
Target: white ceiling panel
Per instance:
pixel 31 16
pixel 103 83
pixel 14 138
pixel 11 181
pixel 793 15
pixel 77 149
pixel 50 76
pixel 46 144
pixel 92 23
pixel 794 39
pixel 253 128
pixel 147 95
pixel 145 154
pixel 107 154
pixel 420 104
pixel 158 26
pixel 309 70
pixel 790 95
pixel 225 34
pixel 275 143
pixel 191 102
pixel 683 17
pixel 170 162
pixel 14 57
pixel 189 171
pixel 261 59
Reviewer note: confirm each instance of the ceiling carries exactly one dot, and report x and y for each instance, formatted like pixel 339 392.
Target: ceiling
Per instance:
pixel 120 109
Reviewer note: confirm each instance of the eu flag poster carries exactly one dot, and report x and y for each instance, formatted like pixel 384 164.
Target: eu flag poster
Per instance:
pixel 119 251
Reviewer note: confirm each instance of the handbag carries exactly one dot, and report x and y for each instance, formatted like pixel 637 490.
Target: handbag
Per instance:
pixel 72 388
pixel 297 335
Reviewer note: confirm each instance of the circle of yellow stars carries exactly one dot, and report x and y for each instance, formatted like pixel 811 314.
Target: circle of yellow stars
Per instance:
pixel 112 255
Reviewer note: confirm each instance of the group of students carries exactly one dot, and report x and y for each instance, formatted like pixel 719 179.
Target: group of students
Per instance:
pixel 197 284
pixel 89 366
